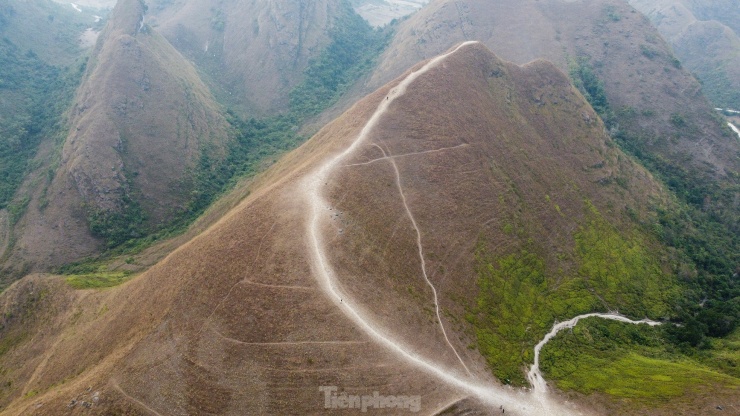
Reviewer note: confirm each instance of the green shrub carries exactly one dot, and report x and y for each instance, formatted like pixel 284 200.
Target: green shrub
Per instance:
pixel 518 302
pixel 649 52
pixel 39 96
pixel 703 224
pixel 629 362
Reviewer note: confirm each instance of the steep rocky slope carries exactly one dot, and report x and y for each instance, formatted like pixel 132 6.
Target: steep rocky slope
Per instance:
pixel 149 146
pixel 704 35
pixel 254 52
pixel 468 157
pixel 41 64
pixel 141 123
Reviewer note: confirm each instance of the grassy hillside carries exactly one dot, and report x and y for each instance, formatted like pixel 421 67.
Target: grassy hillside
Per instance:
pixel 654 111
pixel 500 177
pixel 635 366
pixel 350 54
pixel 703 224
pixel 496 183
pixel 640 75
pixel 704 35
pixel 546 221
pixel 34 96
pixel 519 298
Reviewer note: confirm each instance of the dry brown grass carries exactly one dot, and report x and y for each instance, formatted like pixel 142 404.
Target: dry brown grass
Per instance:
pixel 233 321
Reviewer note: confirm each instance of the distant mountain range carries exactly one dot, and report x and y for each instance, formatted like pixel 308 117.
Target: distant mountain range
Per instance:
pixel 704 36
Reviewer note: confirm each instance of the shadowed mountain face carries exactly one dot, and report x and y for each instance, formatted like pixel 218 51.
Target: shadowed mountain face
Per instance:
pixel 141 122
pixel 642 81
pixel 704 35
pixel 473 157
pixel 253 52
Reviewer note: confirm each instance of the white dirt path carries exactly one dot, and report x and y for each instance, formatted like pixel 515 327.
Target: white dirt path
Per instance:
pixel 735 129
pixel 423 260
pixel 535 376
pixel 515 401
pixel 392 157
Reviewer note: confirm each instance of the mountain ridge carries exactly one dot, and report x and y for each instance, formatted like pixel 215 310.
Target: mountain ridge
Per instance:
pixel 459 209
pixel 176 338
pixel 621 61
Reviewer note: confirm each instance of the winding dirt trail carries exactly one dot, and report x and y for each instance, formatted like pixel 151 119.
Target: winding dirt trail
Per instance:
pixel 535 376
pixel 422 259
pixel 138 402
pixel 518 402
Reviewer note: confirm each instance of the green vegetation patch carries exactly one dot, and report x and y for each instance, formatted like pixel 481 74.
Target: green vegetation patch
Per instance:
pixel 120 227
pixel 588 83
pixel 724 354
pixel 623 269
pixel 516 307
pixel 702 223
pixel 98 280
pixel 518 302
pixel 33 97
pixel 630 362
pixel 93 275
pixel 351 53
